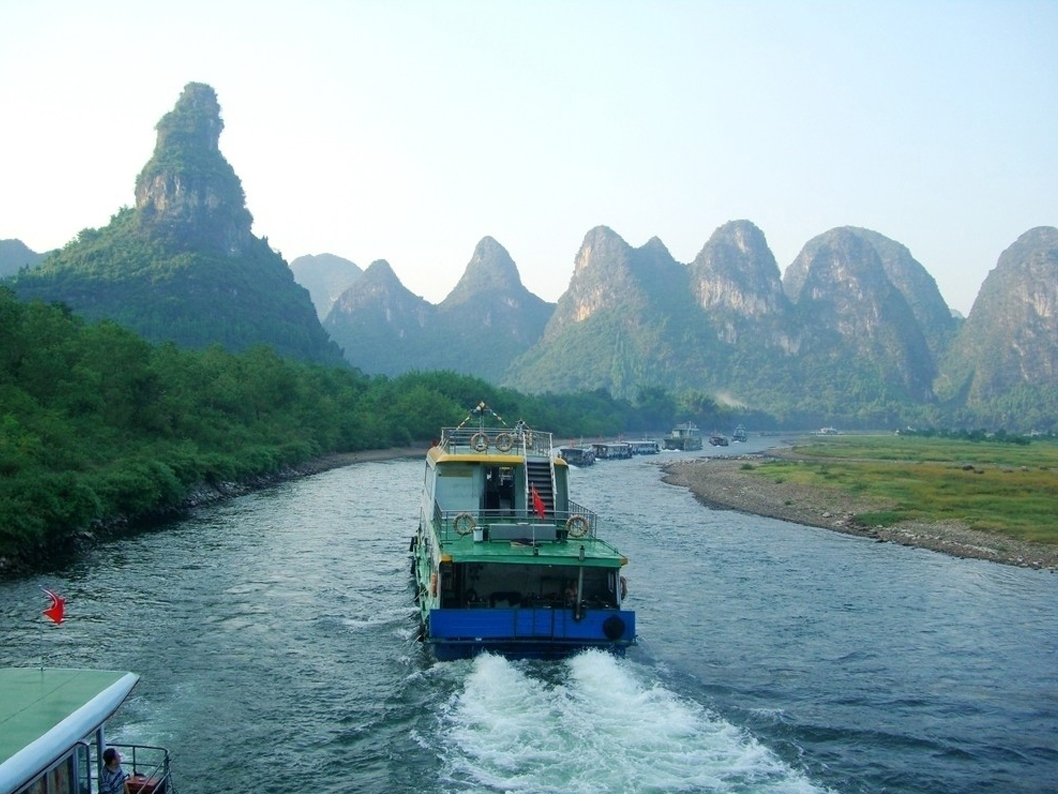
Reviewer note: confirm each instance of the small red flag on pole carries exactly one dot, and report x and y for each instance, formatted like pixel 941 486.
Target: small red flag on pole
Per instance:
pixel 538 503
pixel 58 606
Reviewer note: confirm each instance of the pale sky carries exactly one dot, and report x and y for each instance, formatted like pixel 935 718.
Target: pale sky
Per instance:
pixel 407 131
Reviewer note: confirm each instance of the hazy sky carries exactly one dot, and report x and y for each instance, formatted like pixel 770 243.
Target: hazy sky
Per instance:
pixel 408 131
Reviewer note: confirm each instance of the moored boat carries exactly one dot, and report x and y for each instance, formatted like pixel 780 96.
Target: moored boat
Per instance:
pixel 503 559
pixel 577 456
pixel 612 450
pixel 685 437
pixel 52 733
pixel 645 447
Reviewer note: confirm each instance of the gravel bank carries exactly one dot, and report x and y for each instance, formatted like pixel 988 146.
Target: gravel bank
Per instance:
pixel 722 483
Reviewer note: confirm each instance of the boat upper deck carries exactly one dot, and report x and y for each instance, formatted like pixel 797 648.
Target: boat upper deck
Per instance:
pixel 45 712
pixel 519 441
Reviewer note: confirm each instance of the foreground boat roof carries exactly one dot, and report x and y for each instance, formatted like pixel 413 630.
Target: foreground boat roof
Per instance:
pixel 45 712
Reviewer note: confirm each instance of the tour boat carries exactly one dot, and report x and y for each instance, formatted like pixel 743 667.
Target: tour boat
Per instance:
pixel 645 447
pixel 686 437
pixel 52 738
pixel 503 559
pixel 577 456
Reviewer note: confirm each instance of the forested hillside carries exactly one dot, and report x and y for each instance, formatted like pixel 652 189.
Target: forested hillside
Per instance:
pixel 96 423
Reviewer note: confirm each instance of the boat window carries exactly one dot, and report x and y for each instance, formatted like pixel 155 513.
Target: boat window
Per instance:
pixel 458 488
pixel 505 585
pixel 59 779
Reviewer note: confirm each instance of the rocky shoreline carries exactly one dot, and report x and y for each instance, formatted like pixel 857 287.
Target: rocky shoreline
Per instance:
pixel 724 483
pixel 104 529
pixel 206 494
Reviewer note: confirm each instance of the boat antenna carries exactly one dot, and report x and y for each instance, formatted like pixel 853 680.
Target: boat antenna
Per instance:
pixel 479 411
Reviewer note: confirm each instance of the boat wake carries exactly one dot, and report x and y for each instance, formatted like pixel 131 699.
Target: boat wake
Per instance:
pixel 594 723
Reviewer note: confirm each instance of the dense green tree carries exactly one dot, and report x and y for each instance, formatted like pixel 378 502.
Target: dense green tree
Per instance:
pixel 96 422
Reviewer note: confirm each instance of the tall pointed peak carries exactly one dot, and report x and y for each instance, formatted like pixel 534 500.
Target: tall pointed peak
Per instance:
pixel 740 244
pixel 490 269
pixel 601 244
pixel 379 271
pixel 187 189
pixel 193 123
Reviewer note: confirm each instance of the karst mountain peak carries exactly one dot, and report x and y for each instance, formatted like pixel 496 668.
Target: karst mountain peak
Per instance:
pixel 188 188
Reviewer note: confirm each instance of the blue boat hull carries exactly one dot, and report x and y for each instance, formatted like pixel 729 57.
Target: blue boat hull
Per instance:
pixel 534 633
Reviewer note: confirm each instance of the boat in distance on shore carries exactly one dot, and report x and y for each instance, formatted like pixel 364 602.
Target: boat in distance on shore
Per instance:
pixel 646 446
pixel 577 456
pixel 686 437
pixel 503 560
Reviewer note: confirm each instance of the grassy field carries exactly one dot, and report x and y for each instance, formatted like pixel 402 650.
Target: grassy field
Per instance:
pixel 994 487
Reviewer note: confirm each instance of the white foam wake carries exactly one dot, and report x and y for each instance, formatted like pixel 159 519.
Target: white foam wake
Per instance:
pixel 597 728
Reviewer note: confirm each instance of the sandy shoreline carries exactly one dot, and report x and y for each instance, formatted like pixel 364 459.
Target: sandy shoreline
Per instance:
pixel 723 483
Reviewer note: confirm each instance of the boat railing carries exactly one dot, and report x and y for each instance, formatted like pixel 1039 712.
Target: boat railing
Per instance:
pixel 495 440
pixel 149 767
pixel 577 522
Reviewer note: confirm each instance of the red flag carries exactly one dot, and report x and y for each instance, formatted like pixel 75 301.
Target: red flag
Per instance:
pixel 58 605
pixel 538 503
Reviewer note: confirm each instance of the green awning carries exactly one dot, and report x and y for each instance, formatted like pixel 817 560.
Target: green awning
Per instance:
pixel 44 713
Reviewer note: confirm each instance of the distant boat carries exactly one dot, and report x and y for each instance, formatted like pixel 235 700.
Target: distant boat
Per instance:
pixel 612 450
pixel 503 560
pixel 739 434
pixel 577 456
pixel 718 440
pixel 645 447
pixel 686 437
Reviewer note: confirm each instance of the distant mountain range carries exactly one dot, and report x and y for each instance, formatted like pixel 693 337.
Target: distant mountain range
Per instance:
pixel 326 277
pixel 15 255
pixel 488 320
pixel 855 329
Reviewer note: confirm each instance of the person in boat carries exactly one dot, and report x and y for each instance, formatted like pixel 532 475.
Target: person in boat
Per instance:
pixel 113 779
pixel 571 592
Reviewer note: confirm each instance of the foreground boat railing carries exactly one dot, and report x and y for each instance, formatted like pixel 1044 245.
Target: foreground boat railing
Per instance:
pixel 149 768
pixel 503 440
pixel 577 522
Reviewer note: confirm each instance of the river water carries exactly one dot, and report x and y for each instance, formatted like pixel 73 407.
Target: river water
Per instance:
pixel 275 637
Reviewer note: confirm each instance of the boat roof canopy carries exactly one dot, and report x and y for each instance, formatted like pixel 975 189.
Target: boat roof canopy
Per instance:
pixel 45 712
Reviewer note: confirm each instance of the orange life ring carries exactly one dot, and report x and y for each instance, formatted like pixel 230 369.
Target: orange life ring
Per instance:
pixel 479 442
pixel 463 524
pixel 504 441
pixel 577 526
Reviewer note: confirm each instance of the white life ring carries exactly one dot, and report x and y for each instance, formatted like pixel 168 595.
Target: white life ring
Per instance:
pixel 479 442
pixel 504 441
pixel 463 523
pixel 577 526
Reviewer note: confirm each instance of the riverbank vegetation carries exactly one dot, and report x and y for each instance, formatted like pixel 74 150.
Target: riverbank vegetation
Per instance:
pixel 991 485
pixel 97 424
